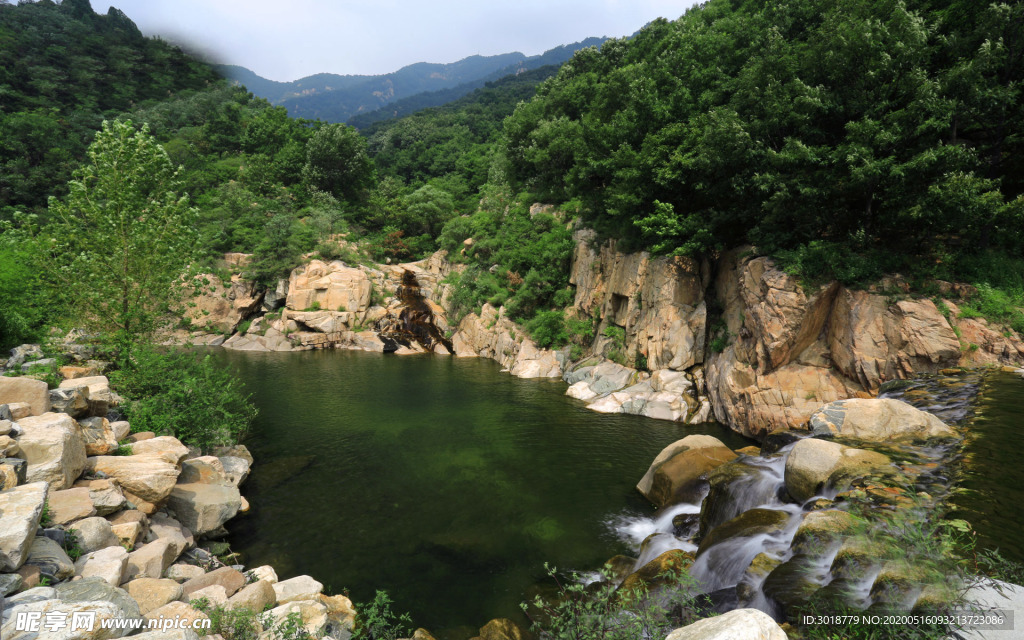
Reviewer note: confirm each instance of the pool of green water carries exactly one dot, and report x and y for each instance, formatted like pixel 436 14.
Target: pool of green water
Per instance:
pixel 441 480
pixel 990 490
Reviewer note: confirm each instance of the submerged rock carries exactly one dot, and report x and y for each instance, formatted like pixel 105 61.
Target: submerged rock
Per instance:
pixel 749 523
pixel 662 571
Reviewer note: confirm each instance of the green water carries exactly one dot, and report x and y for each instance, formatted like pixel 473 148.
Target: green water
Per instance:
pixel 991 487
pixel 441 480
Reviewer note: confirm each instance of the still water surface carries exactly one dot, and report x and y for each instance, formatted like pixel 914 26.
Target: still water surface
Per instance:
pixel 441 480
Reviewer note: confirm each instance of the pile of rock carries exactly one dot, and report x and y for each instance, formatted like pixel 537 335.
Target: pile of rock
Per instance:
pixel 93 525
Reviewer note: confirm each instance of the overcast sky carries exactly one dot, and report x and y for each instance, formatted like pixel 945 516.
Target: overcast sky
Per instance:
pixel 288 39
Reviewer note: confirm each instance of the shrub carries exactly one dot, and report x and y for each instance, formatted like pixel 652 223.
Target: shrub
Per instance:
pixel 378 622
pixel 548 329
pixel 243 327
pixel 185 395
pixel 245 624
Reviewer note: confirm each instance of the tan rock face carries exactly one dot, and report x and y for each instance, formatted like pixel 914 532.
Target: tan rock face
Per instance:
pixel 739 624
pixel 204 507
pixel 333 286
pixel 492 335
pixel 677 471
pixel 221 306
pixel 153 593
pixel 21 508
pixel 70 504
pixel 658 301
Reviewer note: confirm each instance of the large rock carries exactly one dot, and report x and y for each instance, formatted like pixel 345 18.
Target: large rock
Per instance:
pixel 664 569
pixel 177 610
pixel 98 611
pixel 231 579
pixel 297 588
pixel 168 447
pixel 877 420
pixel 678 471
pixel 153 593
pixel 204 507
pixel 492 335
pixel 221 306
pixel 94 534
pixel 149 476
pixel 51 559
pixel 236 469
pixel 814 465
pixel 74 402
pixel 53 446
pixel 99 436
pixel 502 629
pixel 108 563
pixel 313 614
pixel 20 509
pixel 256 596
pixel 34 392
pixel 105 495
pixel 150 560
pixel 163 528
pixel 100 397
pixel 739 624
pixel 203 470
pixel 331 286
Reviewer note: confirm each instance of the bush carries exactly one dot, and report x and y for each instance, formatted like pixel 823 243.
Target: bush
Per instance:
pixel 378 622
pixel 184 395
pixel 246 624
pixel 548 329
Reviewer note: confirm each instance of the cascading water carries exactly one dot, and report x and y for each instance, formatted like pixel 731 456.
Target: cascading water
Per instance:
pixel 414 322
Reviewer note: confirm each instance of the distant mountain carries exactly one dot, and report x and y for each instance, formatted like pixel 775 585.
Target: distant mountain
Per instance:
pixel 336 98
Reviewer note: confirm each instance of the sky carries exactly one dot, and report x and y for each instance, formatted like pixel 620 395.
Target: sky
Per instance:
pixel 288 39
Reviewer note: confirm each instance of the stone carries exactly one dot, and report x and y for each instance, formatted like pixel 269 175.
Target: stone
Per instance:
pixel 265 573
pixel 9 447
pixel 128 533
pixel 51 559
pixel 101 612
pixel 53 447
pixel 94 534
pixel 503 629
pixel 231 579
pixel 314 615
pixel 21 509
pixel 329 286
pixel 661 570
pixel 149 476
pixel 749 523
pixel 202 470
pixel 108 563
pixel 173 634
pixel 677 472
pixel 12 472
pixel 814 465
pixel 19 410
pixel 167 447
pixel 234 451
pixel 69 505
pixel 121 429
pixel 33 392
pixel 819 529
pixel 23 353
pixel 163 528
pixel 140 436
pixel 100 397
pixel 30 576
pixel 256 596
pixel 422 634
pixel 221 304
pixel 215 594
pixel 153 593
pixel 204 508
pixel 105 495
pixel 99 436
pixel 9 583
pixel 150 560
pixel 176 610
pixel 738 624
pixel 877 420
pixel 236 469
pixel 183 572
pixel 297 588
pixel 74 402
pixel 340 612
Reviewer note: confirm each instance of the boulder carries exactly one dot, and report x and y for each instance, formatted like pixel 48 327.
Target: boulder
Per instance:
pixel 814 465
pixel 128 533
pixel 174 634
pixel 163 528
pixel 183 572
pixel 204 507
pixel 12 472
pixel 231 579
pixel 202 470
pixel 176 610
pixel 100 397
pixel 94 534
pixel 256 596
pixel 28 390
pixel 121 429
pixel 222 304
pixel 20 508
pixel 74 402
pixel 330 286
pixel 99 436
pixel 663 569
pixel 502 629
pixel 9 447
pixel 678 471
pixel 153 593
pixel 108 563
pixel 51 559
pixel 877 420
pixel 105 495
pixel 297 588
pixel 54 449
pixel 234 451
pixel 148 476
pixel 749 523
pixel 167 447
pixel 150 560
pixel 214 594
pixel 236 469
pixel 99 611
pixel 19 410
pixel 265 573
pixel 738 624
pixel 313 614
pixel 69 505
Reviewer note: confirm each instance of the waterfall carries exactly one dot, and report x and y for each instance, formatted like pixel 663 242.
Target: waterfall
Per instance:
pixel 415 320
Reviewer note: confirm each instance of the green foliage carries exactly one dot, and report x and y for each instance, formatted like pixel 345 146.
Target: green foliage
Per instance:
pixel 377 621
pixel 337 162
pixel 120 272
pixel 72 545
pixel 548 329
pixel 184 395
pixel 996 305
pixel 616 349
pixel 45 516
pixel 243 327
pixel 603 612
pixel 239 623
pixel 25 307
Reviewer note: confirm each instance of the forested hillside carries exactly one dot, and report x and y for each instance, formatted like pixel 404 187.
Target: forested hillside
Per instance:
pixel 63 69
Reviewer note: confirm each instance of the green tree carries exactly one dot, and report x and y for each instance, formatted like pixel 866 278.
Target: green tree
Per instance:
pixel 119 245
pixel 337 162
